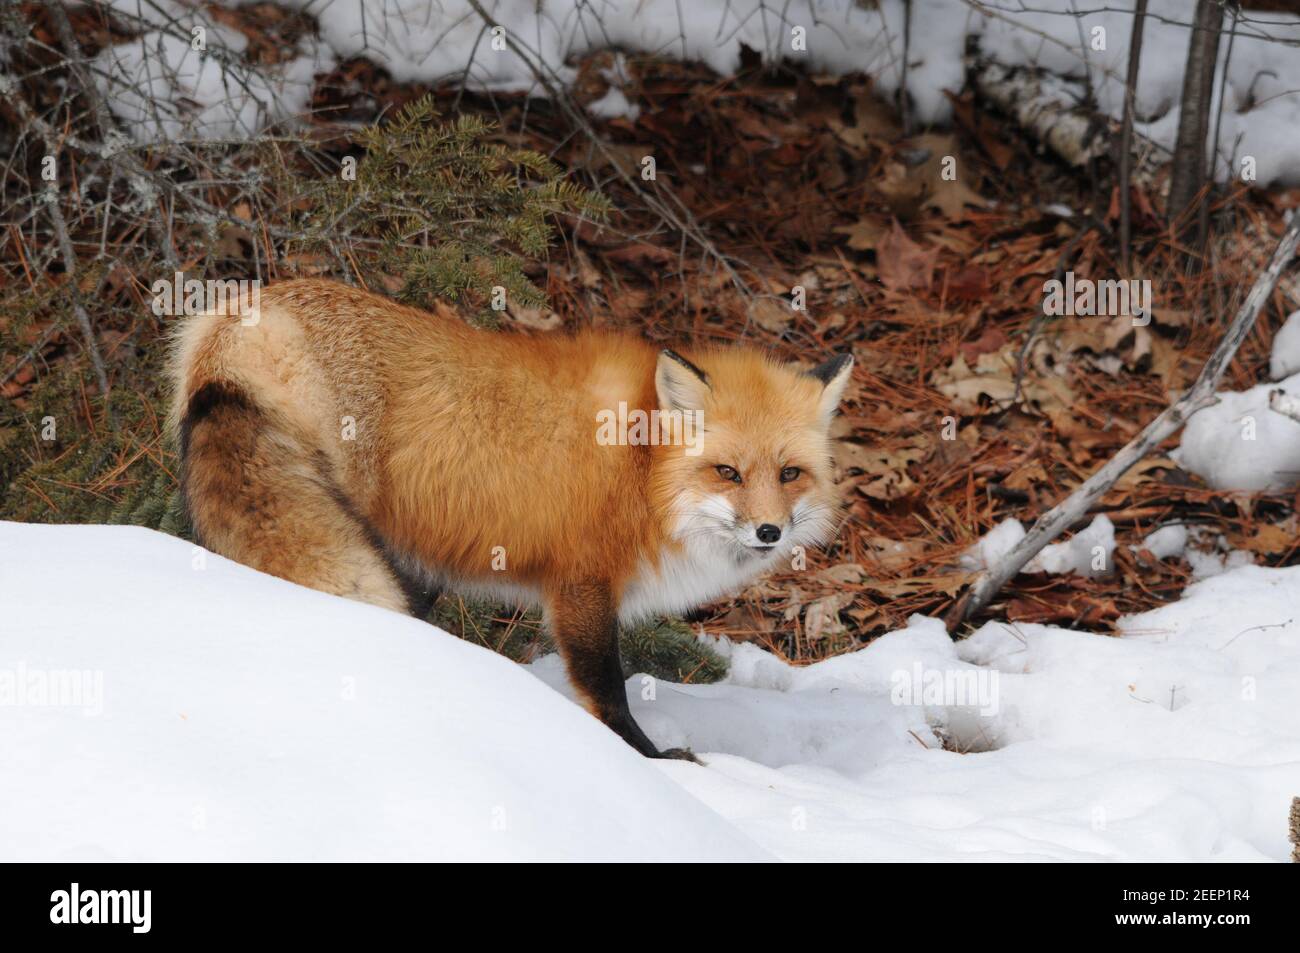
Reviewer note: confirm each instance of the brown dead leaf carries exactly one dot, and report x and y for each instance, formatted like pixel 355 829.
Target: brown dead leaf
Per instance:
pixel 892 555
pixel 392 284
pixel 938 180
pixel 874 121
pixel 821 619
pixel 993 339
pixel 306 263
pixel 744 622
pixel 540 319
pixel 884 469
pixel 771 313
pixel 904 265
pixel 992 377
pixel 640 253
pixel 864 235
pixel 948 584
pixel 985 133
pixel 588 276
pixel 228 244
pixel 1064 608
pixel 902 190
pixel 1269 540
pixel 1026 476
pixel 1145 471
pixel 951 194
pixel 845 574
pixel 967 284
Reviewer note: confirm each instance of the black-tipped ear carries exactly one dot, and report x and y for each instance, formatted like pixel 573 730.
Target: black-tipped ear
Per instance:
pixel 834 375
pixel 679 383
pixel 828 371
pixel 673 355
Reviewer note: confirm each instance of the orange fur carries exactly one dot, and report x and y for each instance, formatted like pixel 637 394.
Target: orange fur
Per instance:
pixel 474 461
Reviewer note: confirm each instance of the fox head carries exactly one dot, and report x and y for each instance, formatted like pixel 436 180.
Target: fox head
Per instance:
pixel 758 482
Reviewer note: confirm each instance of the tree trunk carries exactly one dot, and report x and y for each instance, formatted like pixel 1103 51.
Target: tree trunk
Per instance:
pixel 1187 177
pixel 1126 135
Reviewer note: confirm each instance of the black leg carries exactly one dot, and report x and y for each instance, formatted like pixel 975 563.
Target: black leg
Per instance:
pixel 585 627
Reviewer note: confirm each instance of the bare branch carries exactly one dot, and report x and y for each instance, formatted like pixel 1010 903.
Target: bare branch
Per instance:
pixel 1066 513
pixel 670 208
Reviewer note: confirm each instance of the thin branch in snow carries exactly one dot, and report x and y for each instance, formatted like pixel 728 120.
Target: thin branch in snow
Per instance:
pixel 1066 513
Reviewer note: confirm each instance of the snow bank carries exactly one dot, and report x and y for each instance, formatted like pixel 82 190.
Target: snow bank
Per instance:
pixel 1240 443
pixel 436 41
pixel 1262 108
pixel 184 76
pixel 433 41
pixel 164 89
pixel 243 717
pixel 1177 741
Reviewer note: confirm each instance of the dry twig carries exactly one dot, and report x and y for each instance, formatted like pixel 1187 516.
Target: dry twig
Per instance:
pixel 1066 513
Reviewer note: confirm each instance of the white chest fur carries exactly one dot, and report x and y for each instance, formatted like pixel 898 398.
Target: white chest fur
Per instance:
pixel 702 571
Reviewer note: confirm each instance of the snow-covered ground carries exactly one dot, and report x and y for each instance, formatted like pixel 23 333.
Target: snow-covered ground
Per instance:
pixel 1250 440
pixel 436 41
pixel 159 702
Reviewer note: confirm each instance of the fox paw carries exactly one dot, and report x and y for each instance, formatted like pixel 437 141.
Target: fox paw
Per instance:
pixel 678 754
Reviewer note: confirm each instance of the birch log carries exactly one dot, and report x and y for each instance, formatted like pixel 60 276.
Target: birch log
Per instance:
pixel 1033 100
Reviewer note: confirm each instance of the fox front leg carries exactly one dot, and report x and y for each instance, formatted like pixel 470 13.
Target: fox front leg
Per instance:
pixel 585 625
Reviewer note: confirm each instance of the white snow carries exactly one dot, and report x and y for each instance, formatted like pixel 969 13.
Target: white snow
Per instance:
pixel 612 105
pixel 1166 542
pixel 1209 553
pixel 163 88
pixel 247 718
pixel 241 717
pixel 1262 108
pixel 1206 552
pixel 615 104
pixel 992 546
pixel 1087 553
pixel 436 41
pixel 1285 357
pixel 1207 564
pixel 1240 443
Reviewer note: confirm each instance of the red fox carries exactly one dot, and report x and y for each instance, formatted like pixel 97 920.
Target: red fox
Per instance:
pixel 334 438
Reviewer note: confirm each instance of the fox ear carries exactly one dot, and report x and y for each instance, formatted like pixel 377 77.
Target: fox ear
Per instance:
pixel 834 375
pixel 679 383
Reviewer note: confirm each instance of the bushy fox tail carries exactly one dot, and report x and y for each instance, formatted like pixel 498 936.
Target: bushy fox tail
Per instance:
pixel 259 493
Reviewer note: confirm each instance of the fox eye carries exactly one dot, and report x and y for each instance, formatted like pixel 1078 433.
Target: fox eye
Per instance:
pixel 790 474
pixel 728 473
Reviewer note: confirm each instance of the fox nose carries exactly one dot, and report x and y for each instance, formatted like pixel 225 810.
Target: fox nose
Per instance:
pixel 767 533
